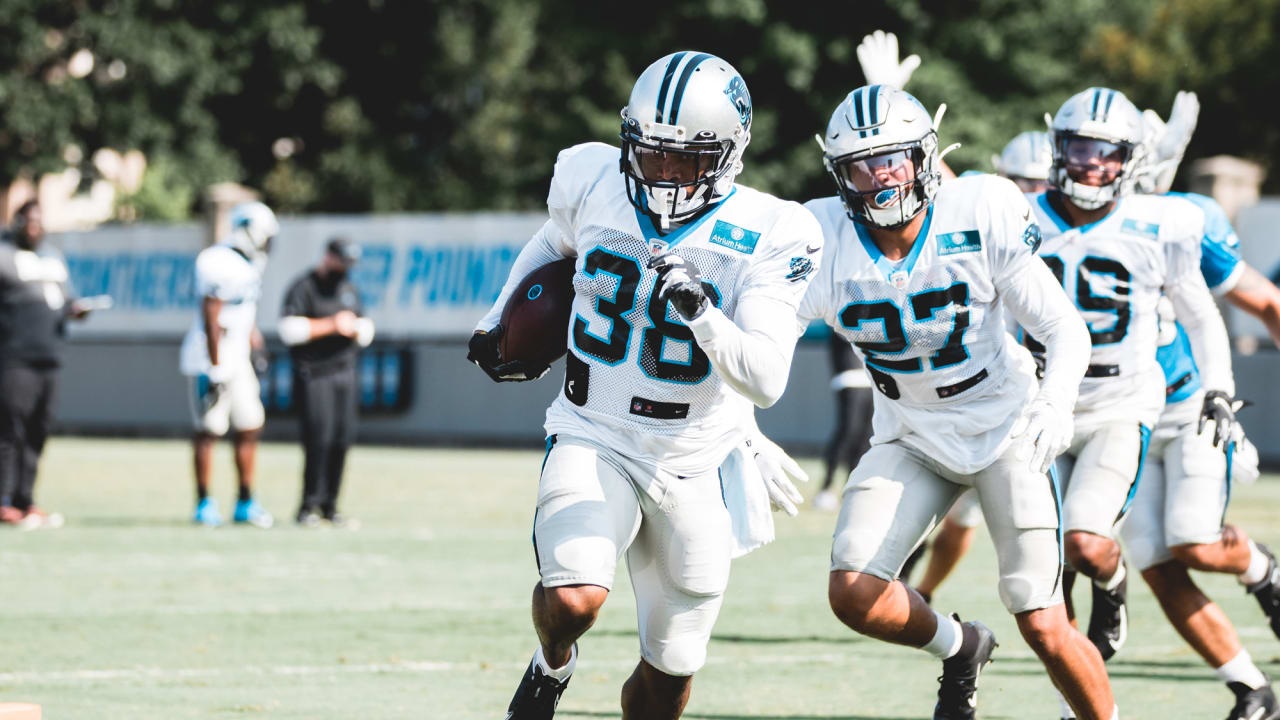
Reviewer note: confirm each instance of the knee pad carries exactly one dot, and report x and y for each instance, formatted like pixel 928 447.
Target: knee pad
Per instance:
pixel 679 657
pixel 698 564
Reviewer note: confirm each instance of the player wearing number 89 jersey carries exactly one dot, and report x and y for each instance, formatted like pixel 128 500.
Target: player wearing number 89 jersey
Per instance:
pixel 920 282
pixel 1115 254
pixel 686 288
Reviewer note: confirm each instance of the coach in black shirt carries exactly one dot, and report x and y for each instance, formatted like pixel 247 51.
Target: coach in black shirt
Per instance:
pixel 323 327
pixel 35 302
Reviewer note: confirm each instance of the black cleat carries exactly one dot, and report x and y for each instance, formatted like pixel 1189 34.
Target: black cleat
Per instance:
pixel 958 686
pixel 1253 704
pixel 537 696
pixel 1108 619
pixel 308 517
pixel 1267 590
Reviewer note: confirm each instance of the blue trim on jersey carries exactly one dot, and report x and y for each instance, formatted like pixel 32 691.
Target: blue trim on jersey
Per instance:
pixel 1057 507
pixel 673 237
pixel 1176 360
pixel 1231 449
pixel 1219 249
pixel 1142 461
pixel 1063 225
pixel 889 267
pixel 723 499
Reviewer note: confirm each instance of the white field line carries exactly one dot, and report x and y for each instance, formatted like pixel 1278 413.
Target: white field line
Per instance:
pixel 156 674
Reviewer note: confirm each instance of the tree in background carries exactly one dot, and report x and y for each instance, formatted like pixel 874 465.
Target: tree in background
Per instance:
pixel 461 105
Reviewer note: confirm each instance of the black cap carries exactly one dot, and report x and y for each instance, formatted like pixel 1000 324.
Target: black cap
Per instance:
pixel 344 248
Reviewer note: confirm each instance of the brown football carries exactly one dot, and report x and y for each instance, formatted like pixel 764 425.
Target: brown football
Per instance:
pixel 535 319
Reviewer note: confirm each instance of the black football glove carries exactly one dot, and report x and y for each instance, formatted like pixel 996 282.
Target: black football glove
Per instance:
pixel 1219 409
pixel 680 283
pixel 483 351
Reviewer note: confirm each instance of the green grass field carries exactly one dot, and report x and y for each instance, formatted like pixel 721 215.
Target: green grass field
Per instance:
pixel 131 612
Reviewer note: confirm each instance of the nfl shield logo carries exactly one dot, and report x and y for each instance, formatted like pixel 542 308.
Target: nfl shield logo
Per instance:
pixel 657 247
pixel 899 279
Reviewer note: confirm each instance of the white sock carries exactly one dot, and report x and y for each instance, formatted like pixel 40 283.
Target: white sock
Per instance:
pixel 1115 712
pixel 561 673
pixel 1257 566
pixel 1242 670
pixel 1064 709
pixel 946 639
pixel 1114 581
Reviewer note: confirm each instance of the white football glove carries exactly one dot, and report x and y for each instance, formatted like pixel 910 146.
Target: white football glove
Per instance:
pixel 1181 126
pixel 1041 434
pixel 779 472
pixel 219 374
pixel 878 56
pixel 1244 455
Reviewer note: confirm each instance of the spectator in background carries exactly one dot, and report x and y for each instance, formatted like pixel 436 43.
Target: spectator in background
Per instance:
pixel 323 326
pixel 35 302
pixel 852 436
pixel 224 388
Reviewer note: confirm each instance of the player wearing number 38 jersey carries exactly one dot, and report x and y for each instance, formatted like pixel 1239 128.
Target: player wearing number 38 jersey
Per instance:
pixel 686 289
pixel 920 282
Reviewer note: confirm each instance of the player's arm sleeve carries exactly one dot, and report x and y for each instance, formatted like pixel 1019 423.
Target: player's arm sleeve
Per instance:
pixel 1259 297
pixel 1041 307
pixel 753 354
pixel 1032 295
pixel 546 245
pixel 1210 346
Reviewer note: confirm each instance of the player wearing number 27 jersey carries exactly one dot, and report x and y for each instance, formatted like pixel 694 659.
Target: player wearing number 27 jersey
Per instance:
pixel 918 275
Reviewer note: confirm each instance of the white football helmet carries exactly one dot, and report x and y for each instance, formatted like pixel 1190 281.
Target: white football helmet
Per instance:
pixel 881 148
pixel 1028 157
pixel 253 226
pixel 683 133
pixel 1096 133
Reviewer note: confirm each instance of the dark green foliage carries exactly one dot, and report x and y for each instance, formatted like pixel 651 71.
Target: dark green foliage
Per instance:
pixel 457 105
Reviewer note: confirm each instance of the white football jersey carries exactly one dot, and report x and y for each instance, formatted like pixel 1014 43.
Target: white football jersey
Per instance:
pixel 930 328
pixel 223 273
pixel 635 380
pixel 1115 270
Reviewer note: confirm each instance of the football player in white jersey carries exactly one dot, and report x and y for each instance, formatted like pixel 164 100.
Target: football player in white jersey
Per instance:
pixel 1177 518
pixel 686 290
pixel 1025 160
pixel 919 282
pixel 1116 253
pixel 215 357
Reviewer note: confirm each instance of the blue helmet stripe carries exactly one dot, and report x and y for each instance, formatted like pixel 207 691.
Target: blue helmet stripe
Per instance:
pixel 666 83
pixel 1107 110
pixel 857 109
pixel 684 80
pixel 872 113
pixel 1097 95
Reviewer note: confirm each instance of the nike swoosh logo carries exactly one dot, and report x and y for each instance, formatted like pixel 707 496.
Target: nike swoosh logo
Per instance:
pixel 812 250
pixel 835 135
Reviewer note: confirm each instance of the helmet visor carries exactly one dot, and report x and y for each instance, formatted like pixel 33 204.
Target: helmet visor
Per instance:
pixel 666 166
pixel 1090 161
pixel 880 179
